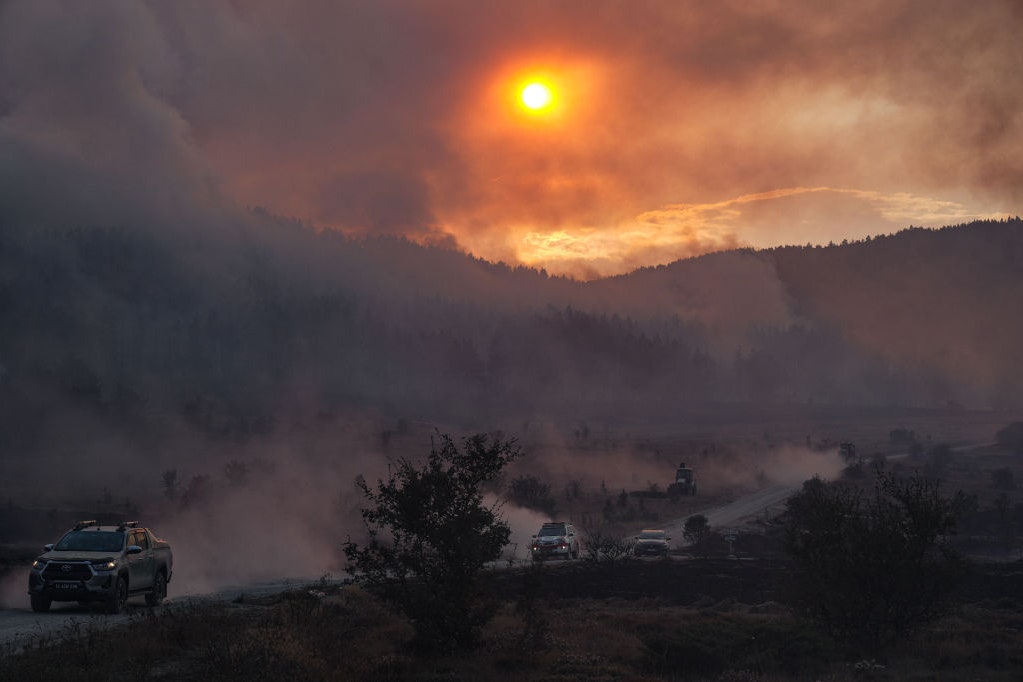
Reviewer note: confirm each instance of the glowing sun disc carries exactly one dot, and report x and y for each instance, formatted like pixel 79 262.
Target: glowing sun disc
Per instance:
pixel 536 96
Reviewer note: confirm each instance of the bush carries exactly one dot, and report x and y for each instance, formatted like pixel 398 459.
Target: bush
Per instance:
pixel 606 548
pixel 871 568
pixel 696 530
pixel 439 536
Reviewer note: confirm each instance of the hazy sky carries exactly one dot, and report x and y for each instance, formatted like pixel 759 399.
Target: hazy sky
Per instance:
pixel 677 127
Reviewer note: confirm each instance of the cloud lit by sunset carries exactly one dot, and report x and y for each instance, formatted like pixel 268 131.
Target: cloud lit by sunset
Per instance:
pixel 589 140
pixel 683 230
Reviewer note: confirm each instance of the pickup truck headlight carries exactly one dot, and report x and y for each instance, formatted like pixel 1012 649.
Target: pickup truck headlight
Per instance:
pixel 105 566
pixel 38 565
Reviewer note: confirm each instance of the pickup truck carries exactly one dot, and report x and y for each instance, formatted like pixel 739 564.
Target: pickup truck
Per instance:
pixel 93 563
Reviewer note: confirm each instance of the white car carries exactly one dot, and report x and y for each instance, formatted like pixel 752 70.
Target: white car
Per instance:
pixel 555 539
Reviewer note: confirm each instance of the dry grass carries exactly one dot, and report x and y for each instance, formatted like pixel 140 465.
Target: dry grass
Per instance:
pixel 346 634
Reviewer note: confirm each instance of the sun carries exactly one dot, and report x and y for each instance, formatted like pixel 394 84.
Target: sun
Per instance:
pixel 536 96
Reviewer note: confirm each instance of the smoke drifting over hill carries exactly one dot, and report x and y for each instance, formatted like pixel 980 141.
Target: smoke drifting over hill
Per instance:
pixel 129 340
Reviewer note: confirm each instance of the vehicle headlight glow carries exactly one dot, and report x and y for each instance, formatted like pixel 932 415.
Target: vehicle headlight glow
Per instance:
pixel 38 564
pixel 108 566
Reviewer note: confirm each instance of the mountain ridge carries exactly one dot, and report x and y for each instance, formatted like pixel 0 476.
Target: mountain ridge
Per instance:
pixel 114 319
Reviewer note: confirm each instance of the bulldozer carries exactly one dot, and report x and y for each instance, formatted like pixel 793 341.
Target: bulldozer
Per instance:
pixel 685 481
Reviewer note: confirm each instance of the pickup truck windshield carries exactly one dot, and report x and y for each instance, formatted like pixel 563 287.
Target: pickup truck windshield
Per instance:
pixel 91 541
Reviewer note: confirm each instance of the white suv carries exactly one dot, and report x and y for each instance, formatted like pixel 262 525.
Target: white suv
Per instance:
pixel 555 539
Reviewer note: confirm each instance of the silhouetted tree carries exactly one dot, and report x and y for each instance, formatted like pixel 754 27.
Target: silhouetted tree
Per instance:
pixel 696 528
pixel 430 534
pixel 871 568
pixel 697 531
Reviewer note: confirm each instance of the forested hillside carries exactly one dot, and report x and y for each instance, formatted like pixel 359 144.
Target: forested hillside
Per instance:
pixel 233 336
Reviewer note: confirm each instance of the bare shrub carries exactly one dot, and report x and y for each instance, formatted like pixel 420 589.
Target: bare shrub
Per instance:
pixel 606 548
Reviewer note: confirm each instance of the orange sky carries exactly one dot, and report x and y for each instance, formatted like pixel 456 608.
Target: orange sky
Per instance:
pixel 677 127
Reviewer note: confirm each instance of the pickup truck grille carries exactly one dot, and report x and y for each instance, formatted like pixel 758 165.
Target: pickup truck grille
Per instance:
pixel 61 570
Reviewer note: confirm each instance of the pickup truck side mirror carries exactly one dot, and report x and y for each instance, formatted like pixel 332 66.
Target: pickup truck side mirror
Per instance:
pixel 49 547
pixel 134 549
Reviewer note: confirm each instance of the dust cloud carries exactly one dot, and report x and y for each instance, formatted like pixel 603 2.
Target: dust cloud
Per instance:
pixel 785 464
pixel 614 464
pixel 282 513
pixel 524 523
pixel 14 589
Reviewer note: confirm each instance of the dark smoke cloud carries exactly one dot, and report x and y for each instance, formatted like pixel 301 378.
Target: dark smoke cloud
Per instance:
pixel 86 134
pixel 392 116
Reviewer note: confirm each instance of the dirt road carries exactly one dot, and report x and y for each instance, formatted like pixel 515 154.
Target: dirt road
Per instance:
pixel 744 508
pixel 20 626
pixel 748 507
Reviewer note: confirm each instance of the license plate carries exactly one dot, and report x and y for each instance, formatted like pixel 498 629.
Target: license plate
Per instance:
pixel 66 586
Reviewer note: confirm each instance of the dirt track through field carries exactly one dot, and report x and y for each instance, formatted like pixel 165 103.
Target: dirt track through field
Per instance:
pixel 20 626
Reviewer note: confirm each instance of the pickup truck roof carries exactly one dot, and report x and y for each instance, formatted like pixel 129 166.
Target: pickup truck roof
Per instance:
pixel 123 526
pixel 77 538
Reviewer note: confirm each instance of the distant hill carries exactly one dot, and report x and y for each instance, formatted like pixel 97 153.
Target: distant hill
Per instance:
pixel 230 335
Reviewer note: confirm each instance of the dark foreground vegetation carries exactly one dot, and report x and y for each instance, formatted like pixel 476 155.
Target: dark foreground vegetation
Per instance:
pixel 710 619
pixel 430 535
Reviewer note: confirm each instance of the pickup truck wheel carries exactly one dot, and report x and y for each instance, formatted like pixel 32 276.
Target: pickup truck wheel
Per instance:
pixel 40 604
pixel 120 597
pixel 159 590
